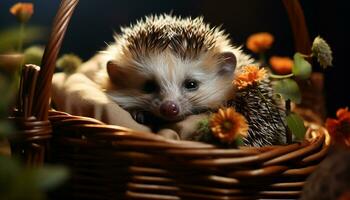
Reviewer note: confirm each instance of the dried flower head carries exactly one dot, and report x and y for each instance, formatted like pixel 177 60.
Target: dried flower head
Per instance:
pixel 69 63
pixel 281 65
pixel 249 75
pixel 260 42
pixel 322 51
pixel 339 129
pixel 227 125
pixel 23 11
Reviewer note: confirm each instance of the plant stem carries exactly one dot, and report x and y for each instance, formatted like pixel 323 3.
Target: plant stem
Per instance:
pixel 305 55
pixel 281 76
pixel 262 59
pixel 20 39
pixel 288 133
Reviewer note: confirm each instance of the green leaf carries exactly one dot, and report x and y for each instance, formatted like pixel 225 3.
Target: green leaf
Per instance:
pixel 301 68
pixel 6 128
pixel 296 125
pixel 203 126
pixel 288 89
pixel 20 182
pixel 8 170
pixel 25 186
pixel 49 177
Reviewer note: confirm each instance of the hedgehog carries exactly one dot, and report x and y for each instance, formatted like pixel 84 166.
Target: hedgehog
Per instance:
pixel 164 68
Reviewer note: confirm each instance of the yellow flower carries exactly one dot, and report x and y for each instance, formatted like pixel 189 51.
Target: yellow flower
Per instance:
pixel 249 76
pixel 227 125
pixel 23 11
pixel 281 65
pixel 259 42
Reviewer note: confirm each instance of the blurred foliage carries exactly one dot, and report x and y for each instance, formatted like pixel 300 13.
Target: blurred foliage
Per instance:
pixel 7 92
pixel 33 55
pixel 69 63
pixel 288 89
pixel 9 37
pixel 19 182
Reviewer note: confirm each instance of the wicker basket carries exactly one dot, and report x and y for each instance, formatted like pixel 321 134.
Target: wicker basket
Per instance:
pixel 111 162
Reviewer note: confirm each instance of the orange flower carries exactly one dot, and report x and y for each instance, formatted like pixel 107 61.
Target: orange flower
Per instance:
pixel 281 65
pixel 249 76
pixel 260 42
pixel 23 11
pixel 227 125
pixel 339 129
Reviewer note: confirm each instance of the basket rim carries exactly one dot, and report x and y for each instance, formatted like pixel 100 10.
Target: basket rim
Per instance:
pixel 98 130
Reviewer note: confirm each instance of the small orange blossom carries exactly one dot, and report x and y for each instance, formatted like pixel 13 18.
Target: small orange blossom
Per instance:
pixel 23 11
pixel 259 42
pixel 281 65
pixel 227 125
pixel 339 129
pixel 249 76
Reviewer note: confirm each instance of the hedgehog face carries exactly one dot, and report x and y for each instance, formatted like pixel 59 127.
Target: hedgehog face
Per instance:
pixel 170 87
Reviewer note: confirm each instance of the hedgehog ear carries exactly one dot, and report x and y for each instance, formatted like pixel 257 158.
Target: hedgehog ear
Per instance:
pixel 114 71
pixel 228 64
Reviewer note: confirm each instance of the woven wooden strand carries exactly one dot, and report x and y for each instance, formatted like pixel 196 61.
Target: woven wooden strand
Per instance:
pixel 31 136
pixel 26 90
pixel 43 86
pixel 297 20
pixel 121 138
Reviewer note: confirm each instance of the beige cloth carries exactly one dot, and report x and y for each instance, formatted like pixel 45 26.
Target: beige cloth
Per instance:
pixel 79 94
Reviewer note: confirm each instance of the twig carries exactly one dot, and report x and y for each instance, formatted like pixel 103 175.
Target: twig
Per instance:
pixel 20 39
pixel 288 133
pixel 275 76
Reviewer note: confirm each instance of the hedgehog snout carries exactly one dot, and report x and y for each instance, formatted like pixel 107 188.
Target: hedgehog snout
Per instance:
pixel 169 109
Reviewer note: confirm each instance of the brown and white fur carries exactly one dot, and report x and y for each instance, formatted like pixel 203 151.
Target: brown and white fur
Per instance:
pixel 156 61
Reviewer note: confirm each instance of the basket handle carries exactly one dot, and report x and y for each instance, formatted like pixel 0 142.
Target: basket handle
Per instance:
pixel 297 20
pixel 43 85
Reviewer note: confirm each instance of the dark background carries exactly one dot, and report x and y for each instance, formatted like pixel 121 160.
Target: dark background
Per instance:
pixel 95 20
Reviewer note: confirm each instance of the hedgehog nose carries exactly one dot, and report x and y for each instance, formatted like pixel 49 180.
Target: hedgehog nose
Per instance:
pixel 169 109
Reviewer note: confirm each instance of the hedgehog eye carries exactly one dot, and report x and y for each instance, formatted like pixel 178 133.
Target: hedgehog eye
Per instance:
pixel 150 86
pixel 191 84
